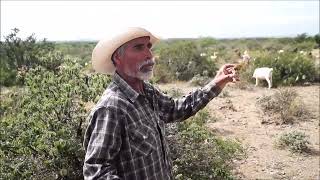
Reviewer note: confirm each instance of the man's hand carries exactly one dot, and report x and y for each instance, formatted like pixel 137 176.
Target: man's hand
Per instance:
pixel 226 74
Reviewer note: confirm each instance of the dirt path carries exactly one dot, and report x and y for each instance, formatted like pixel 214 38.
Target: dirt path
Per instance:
pixel 239 118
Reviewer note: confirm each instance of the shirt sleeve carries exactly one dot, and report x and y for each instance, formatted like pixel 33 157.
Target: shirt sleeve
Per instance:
pixel 182 108
pixel 102 143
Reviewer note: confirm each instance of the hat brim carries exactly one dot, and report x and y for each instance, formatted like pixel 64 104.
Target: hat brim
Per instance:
pixel 102 53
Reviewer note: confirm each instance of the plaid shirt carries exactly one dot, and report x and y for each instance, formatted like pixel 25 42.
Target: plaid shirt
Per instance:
pixel 125 138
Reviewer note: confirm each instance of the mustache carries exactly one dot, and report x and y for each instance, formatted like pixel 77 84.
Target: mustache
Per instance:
pixel 149 62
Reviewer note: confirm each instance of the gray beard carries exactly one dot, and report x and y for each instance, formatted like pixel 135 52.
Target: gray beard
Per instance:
pixel 140 75
pixel 143 76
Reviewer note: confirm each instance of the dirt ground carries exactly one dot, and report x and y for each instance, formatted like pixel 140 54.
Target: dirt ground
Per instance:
pixel 238 117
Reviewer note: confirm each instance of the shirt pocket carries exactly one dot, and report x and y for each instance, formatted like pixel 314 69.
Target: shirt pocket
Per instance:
pixel 142 141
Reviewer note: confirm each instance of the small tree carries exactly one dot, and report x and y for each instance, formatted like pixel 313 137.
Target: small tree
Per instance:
pixel 41 131
pixel 301 37
pixel 20 55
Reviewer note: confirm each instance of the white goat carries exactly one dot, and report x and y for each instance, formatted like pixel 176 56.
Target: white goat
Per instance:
pixel 303 53
pixel 263 73
pixel 246 57
pixel 203 54
pixel 214 56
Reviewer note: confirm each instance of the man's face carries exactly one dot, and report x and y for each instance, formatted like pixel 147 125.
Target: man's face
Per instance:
pixel 137 61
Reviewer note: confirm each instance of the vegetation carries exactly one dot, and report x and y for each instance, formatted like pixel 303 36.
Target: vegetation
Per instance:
pixel 199 80
pixel 288 68
pixel 174 92
pixel 42 129
pixel 18 56
pixel 199 154
pixel 317 39
pixel 51 84
pixel 296 142
pixel 285 106
pixel 80 50
pixel 182 61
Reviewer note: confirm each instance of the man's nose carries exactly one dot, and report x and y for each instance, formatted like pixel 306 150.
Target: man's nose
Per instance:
pixel 149 53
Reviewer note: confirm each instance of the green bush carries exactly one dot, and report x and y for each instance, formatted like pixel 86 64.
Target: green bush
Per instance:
pixel 288 68
pixel 17 54
pixel 197 153
pixel 81 50
pixel 295 141
pixel 7 75
pixel 206 42
pixel 161 74
pixel 41 130
pixel 300 38
pixel 305 46
pixel 272 45
pixel 182 60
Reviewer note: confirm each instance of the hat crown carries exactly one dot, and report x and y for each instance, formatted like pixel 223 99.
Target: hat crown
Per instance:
pixel 102 53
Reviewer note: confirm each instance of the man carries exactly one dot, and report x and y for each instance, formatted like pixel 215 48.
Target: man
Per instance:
pixel 126 136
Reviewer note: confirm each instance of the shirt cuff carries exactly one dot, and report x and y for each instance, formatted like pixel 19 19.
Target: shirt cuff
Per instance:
pixel 212 89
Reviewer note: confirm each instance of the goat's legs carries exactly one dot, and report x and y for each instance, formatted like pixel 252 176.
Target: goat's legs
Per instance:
pixel 269 83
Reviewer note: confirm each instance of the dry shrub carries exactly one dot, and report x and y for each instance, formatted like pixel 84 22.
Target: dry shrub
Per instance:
pixel 284 106
pixel 296 142
pixel 228 105
pixel 174 92
pixel 199 80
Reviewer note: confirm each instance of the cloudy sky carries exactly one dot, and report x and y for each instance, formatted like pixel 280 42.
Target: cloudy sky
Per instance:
pixel 92 20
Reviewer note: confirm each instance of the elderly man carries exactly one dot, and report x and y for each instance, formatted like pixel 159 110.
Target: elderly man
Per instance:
pixel 126 137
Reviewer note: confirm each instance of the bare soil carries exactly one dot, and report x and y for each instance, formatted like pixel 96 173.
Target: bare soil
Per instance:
pixel 239 117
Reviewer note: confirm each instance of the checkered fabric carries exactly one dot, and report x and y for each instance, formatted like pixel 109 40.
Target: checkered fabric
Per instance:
pixel 126 137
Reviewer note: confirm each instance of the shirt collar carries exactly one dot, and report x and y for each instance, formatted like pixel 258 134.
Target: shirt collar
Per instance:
pixel 125 87
pixel 148 88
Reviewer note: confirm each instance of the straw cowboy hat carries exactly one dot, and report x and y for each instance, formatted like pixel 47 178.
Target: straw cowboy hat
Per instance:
pixel 101 54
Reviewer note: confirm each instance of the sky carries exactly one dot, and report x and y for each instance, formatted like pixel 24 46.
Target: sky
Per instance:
pixel 93 20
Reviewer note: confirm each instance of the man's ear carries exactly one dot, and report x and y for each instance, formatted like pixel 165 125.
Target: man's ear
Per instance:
pixel 116 59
